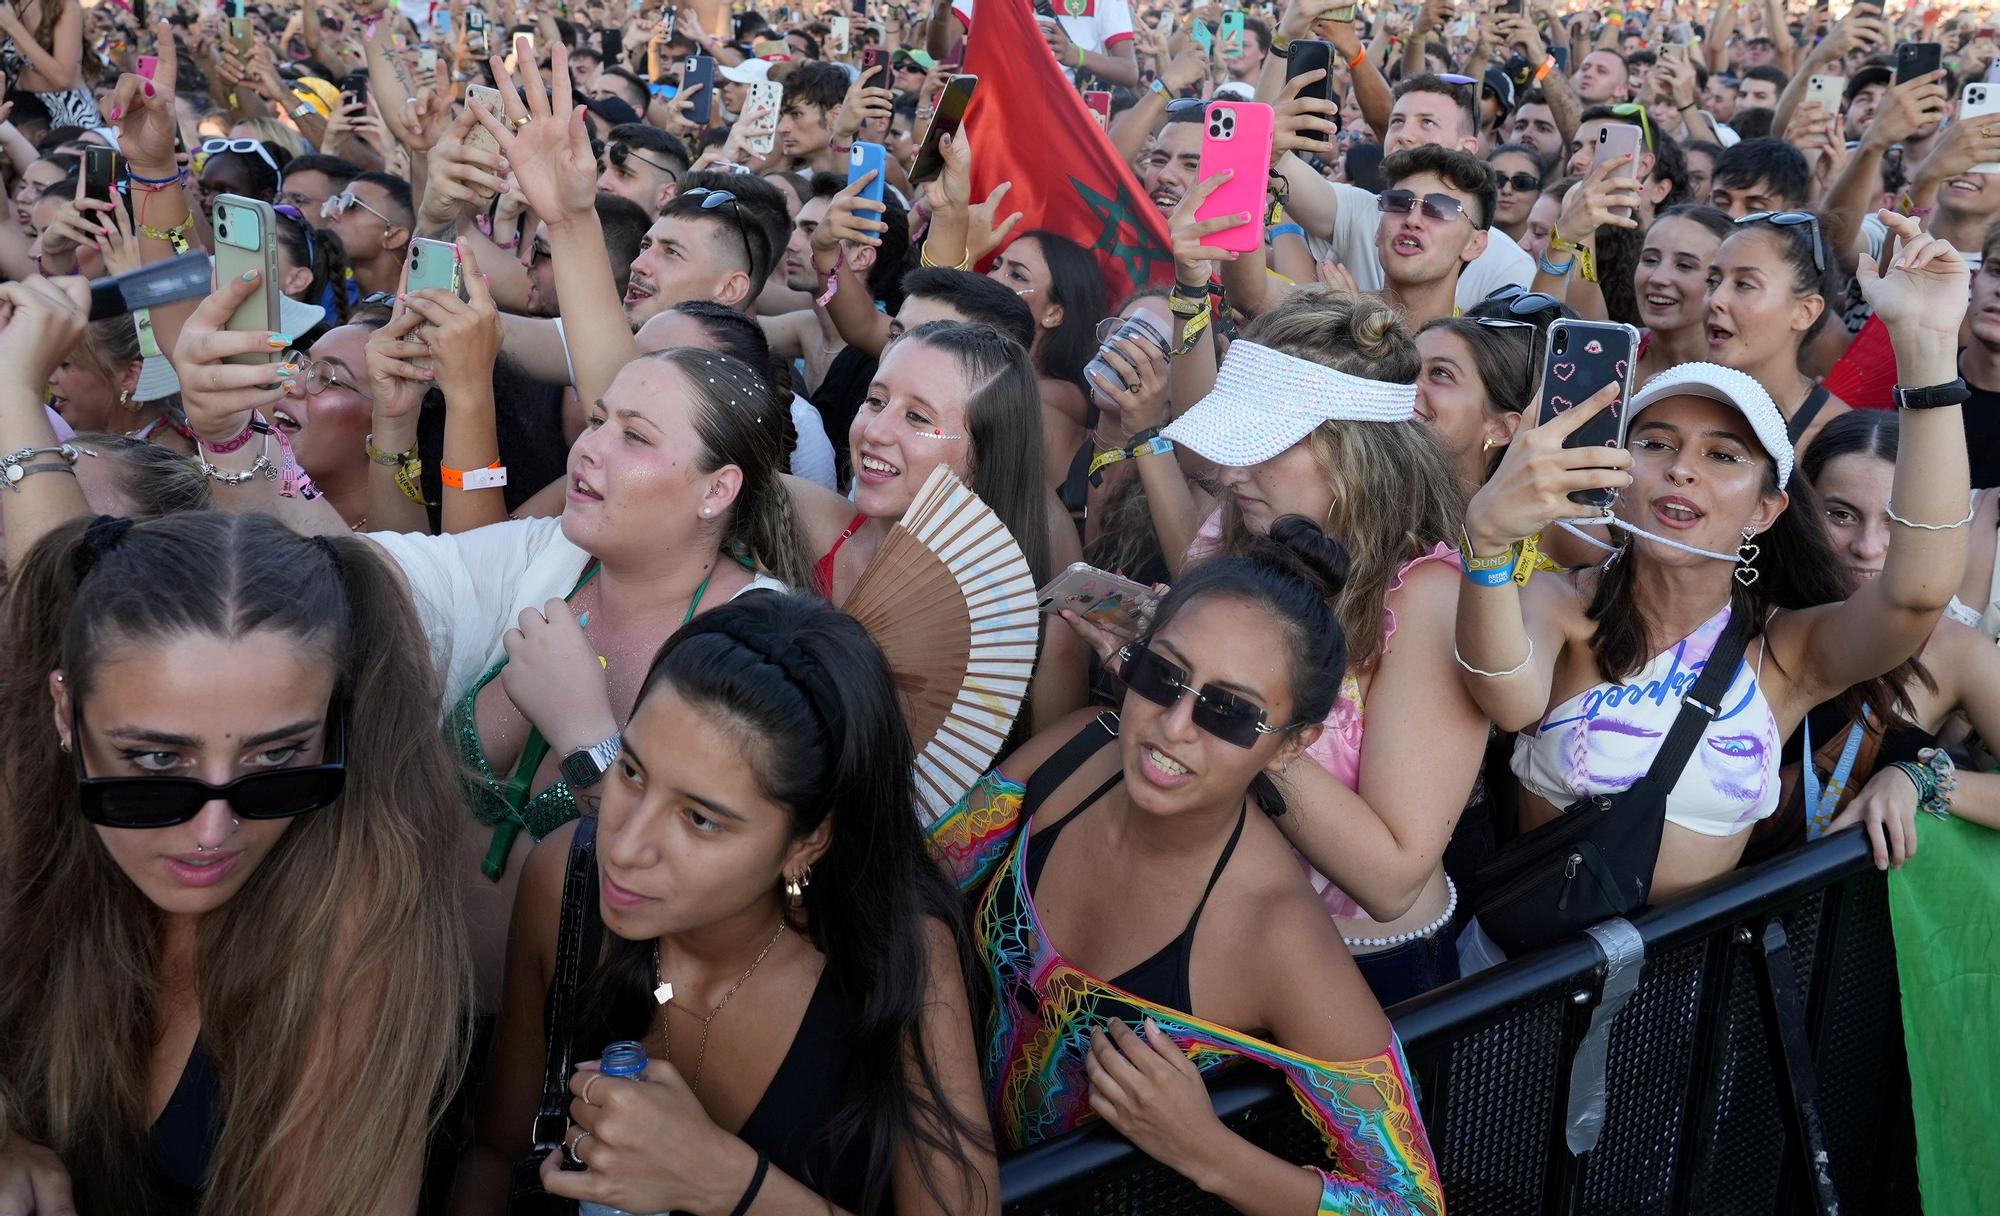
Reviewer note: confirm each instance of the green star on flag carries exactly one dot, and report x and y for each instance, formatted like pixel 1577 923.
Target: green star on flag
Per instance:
pixel 1123 236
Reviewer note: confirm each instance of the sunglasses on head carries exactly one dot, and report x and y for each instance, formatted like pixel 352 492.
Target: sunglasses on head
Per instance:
pixel 620 153
pixel 1792 219
pixel 711 200
pixel 1520 301
pixel 242 147
pixel 1524 183
pixel 1441 207
pixel 1186 109
pixel 1631 109
pixel 1234 719
pixel 163 802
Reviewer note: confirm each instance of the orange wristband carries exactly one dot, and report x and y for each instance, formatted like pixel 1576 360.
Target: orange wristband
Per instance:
pixel 1548 65
pixel 1360 57
pixel 492 477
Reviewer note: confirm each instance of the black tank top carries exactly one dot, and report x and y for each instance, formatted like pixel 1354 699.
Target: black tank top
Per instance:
pixel 1163 978
pixel 184 1136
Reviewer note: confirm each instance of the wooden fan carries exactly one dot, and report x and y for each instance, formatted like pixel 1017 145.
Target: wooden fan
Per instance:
pixel 951 602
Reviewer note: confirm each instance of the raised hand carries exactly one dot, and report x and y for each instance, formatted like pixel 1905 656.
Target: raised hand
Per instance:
pixel 545 141
pixel 1194 259
pixel 1589 204
pixel 218 396
pixel 1531 488
pixel 463 335
pixel 40 321
pixel 143 111
pixel 1927 285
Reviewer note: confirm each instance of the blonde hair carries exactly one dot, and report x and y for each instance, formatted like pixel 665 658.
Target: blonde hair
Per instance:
pixel 1394 493
pixel 271 131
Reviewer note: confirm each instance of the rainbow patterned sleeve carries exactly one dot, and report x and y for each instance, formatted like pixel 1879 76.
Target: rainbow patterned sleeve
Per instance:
pixel 974 835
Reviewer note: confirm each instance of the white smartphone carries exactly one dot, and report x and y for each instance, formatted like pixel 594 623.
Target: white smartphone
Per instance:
pixel 766 94
pixel 1100 597
pixel 1980 101
pixel 1827 91
pixel 838 32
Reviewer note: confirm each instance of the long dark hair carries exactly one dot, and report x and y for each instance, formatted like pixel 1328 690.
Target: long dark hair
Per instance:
pixel 1075 283
pixel 347 904
pixel 1795 245
pixel 813 691
pixel 1797 567
pixel 1293 573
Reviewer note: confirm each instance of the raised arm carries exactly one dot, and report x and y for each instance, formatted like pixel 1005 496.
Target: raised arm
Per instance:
pixel 397 386
pixel 49 70
pixel 464 338
pixel 42 319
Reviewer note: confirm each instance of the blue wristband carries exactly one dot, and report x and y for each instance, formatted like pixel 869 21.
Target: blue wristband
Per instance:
pixel 1559 271
pixel 1277 230
pixel 1499 576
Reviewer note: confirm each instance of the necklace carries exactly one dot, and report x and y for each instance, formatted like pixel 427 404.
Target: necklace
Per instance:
pixel 663 993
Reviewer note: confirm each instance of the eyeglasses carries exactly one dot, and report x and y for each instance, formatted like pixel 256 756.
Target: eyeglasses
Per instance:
pixel 1441 207
pixel 1792 219
pixel 1524 183
pixel 1229 717
pixel 1634 110
pixel 244 147
pixel 710 200
pixel 162 802
pixel 316 376
pixel 620 153
pixel 337 206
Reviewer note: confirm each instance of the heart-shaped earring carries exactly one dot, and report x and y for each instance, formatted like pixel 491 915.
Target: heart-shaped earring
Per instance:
pixel 1746 553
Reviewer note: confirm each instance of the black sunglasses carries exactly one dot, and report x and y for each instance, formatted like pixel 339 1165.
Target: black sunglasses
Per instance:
pixel 710 200
pixel 1441 207
pixel 1520 301
pixel 1186 109
pixel 1792 219
pixel 162 802
pixel 1523 183
pixel 1229 717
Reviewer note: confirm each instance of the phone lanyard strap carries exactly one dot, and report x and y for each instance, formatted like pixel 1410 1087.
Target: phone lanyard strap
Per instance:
pixel 1821 807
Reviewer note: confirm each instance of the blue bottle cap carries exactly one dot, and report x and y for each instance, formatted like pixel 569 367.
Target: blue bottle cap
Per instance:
pixel 626 1059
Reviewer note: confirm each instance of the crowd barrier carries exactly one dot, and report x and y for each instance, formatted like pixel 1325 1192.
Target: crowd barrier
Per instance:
pixel 1757 1067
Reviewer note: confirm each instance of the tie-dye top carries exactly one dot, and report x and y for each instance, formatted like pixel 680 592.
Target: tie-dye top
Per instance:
pixel 1602 740
pixel 1044 1008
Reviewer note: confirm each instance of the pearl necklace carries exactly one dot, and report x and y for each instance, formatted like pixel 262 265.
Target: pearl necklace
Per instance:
pixel 1450 906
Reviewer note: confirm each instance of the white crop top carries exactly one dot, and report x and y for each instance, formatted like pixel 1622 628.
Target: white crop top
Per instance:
pixel 1603 740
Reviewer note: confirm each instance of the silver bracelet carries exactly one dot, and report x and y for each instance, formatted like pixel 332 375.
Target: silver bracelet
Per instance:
pixel 1971 509
pixel 13 467
pixel 261 465
pixel 1494 675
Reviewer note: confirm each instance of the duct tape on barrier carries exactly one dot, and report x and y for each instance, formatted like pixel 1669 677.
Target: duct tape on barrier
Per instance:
pixel 1624 954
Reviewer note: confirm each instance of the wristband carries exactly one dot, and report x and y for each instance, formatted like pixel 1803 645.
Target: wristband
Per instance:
pixel 176 236
pixel 1499 576
pixel 1288 229
pixel 492 477
pixel 387 460
pixel 924 258
pixel 256 426
pixel 756 1185
pixel 1952 392
pixel 1160 86
pixel 156 181
pixel 1469 562
pixel 1079 58
pixel 1360 57
pixel 1561 271
pixel 1548 65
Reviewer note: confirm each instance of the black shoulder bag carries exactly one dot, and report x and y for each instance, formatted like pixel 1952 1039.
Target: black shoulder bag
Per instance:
pixel 1596 859
pixel 577 938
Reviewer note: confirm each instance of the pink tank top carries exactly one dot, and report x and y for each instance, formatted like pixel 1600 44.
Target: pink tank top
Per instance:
pixel 1338 748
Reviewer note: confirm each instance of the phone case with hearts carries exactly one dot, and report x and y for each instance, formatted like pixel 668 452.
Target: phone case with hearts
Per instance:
pixel 1578 359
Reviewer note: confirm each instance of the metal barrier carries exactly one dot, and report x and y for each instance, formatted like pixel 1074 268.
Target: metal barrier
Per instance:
pixel 1757 1067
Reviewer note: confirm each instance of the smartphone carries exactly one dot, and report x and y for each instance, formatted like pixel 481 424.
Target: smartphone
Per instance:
pixel 1098 101
pixel 1914 59
pixel 475 31
pixel 1237 137
pixel 1344 14
pixel 953 101
pixel 354 87
pixel 427 60
pixel 102 167
pixel 243 36
pixel 859 7
pixel 876 57
pixel 1232 34
pixel 769 95
pixel 434 266
pixel 489 97
pixel 1616 139
pixel 1312 55
pixel 245 240
pixel 838 31
pixel 524 49
pixel 148 64
pixel 1100 597
pixel 1979 101
pixel 1561 54
pixel 1580 358
pixel 1202 35
pixel 699 70
pixel 1827 91
pixel 1511 8
pixel 860 160
pixel 1462 26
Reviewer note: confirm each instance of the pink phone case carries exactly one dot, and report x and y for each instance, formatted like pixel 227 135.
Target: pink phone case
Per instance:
pixel 1615 140
pixel 1237 136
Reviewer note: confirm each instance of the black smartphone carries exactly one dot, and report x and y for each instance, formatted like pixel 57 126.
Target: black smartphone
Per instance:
pixel 1312 55
pixel 698 70
pixel 1561 54
pixel 354 86
pixel 951 107
pixel 1914 59
pixel 1511 8
pixel 1580 358
pixel 102 167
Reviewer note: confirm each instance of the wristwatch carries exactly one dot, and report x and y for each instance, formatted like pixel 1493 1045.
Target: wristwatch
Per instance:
pixel 1952 393
pixel 586 766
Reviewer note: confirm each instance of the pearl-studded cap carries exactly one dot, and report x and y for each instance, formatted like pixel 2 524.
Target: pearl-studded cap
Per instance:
pixel 1264 401
pixel 1735 389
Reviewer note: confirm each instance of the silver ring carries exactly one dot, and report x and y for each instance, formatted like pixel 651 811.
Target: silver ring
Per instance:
pixel 570 1150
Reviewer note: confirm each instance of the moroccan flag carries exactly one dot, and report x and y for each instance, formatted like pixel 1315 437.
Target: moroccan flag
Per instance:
pixel 1864 375
pixel 1029 126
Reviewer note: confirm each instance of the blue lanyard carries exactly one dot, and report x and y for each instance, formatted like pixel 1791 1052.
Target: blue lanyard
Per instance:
pixel 1820 808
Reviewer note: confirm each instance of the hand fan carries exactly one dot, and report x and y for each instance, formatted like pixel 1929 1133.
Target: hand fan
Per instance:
pixel 951 602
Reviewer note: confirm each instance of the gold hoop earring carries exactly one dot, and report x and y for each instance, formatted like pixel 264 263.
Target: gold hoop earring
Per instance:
pixel 795 887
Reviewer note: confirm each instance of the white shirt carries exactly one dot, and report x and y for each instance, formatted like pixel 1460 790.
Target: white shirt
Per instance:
pixel 470 587
pixel 812 459
pixel 1103 29
pixel 1352 244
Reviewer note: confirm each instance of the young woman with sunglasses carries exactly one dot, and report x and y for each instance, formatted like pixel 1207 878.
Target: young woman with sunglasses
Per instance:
pixel 1769 288
pixel 1142 846
pixel 543 625
pixel 1670 284
pixel 757 851
pixel 1707 476
pixel 1399 753
pixel 1518 169
pixel 267 952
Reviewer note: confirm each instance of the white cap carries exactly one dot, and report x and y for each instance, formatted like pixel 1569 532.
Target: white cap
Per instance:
pixel 157 379
pixel 1264 401
pixel 750 71
pixel 1732 388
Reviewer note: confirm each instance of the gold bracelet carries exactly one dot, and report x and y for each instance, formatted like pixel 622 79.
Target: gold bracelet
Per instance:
pixel 924 259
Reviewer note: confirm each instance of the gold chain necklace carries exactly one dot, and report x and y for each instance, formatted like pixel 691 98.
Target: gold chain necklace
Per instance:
pixel 663 993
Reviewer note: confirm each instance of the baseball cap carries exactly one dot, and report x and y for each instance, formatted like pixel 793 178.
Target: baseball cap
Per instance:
pixel 614 110
pixel 1732 388
pixel 923 59
pixel 1501 86
pixel 1874 73
pixel 1265 400
pixel 750 71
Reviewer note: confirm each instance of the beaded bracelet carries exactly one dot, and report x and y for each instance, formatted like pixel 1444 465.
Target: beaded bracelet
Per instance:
pixel 261 465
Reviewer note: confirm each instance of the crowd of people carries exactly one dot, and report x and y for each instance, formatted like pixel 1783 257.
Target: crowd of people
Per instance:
pixel 419 695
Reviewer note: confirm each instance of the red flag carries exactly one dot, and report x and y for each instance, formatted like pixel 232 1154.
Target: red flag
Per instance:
pixel 1029 126
pixel 1864 375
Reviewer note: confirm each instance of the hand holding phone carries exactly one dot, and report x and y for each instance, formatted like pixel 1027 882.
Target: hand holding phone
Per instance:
pixel 1580 360
pixel 1236 137
pixel 1108 601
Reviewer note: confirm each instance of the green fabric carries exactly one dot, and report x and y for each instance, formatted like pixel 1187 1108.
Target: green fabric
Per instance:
pixel 1945 906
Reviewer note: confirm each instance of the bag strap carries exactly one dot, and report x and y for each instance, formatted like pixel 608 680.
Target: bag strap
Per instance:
pixel 1068 758
pixel 1701 704
pixel 577 937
